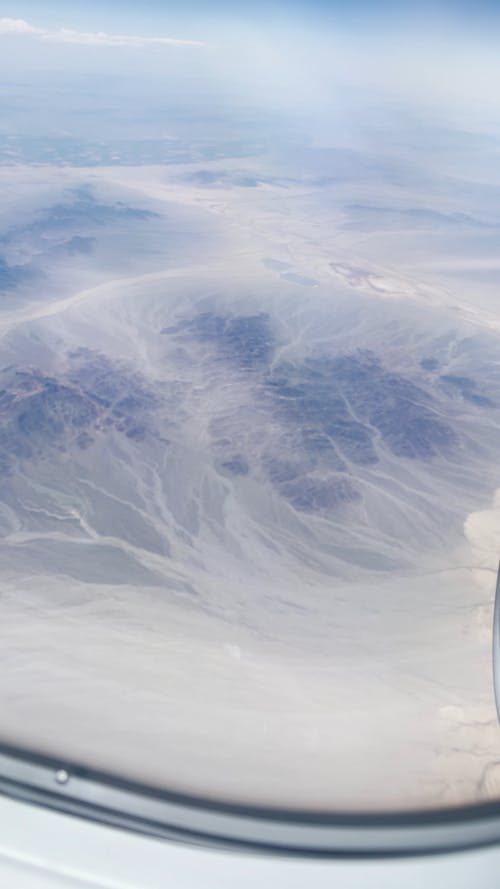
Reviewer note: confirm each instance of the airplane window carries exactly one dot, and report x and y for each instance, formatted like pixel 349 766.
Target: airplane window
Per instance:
pixel 250 399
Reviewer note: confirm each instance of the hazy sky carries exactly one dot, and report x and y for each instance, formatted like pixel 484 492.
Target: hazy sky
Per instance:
pixel 289 52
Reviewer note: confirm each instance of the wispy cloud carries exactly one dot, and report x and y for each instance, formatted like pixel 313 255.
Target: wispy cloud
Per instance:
pixel 87 38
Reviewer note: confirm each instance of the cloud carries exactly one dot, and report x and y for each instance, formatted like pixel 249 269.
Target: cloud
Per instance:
pixel 17 26
pixel 87 38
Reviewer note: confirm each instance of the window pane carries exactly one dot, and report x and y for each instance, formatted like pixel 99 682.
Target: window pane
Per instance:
pixel 250 399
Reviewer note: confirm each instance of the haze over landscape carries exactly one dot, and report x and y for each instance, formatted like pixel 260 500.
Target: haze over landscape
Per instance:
pixel 250 403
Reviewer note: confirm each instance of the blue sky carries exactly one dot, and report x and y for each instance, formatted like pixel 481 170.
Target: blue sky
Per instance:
pixel 224 21
pixel 200 14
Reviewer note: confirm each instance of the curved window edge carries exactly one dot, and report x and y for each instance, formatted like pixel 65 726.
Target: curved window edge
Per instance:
pixel 75 790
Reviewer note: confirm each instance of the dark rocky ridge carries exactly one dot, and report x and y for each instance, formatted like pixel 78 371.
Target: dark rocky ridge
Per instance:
pixel 246 341
pixel 40 415
pixel 334 412
pixel 325 421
